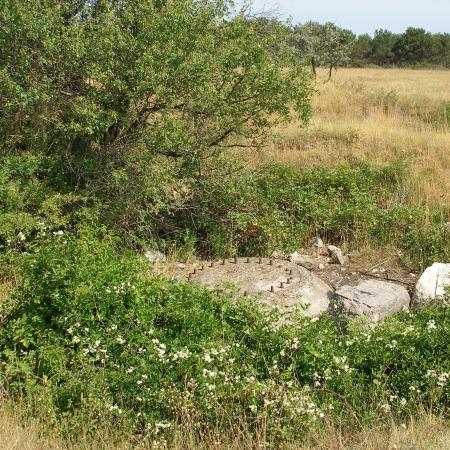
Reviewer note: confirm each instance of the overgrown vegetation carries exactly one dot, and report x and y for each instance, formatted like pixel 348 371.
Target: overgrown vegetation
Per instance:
pixel 89 336
pixel 249 213
pixel 123 127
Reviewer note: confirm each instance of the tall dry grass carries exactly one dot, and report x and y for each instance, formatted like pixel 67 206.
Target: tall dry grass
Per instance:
pixel 378 116
pixel 423 433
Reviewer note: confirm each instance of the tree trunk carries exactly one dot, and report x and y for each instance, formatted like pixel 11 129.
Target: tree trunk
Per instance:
pixel 313 65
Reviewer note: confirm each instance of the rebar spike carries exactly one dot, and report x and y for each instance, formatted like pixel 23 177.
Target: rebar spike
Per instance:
pixel 248 260
pixel 235 259
pixel 260 261
pixel 245 294
pixel 272 289
pixel 223 262
pixel 195 271
pixel 281 285
pixel 270 262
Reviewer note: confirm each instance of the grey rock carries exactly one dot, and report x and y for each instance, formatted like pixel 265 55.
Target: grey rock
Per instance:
pixel 155 256
pixel 337 255
pixel 372 298
pixel 317 242
pixel 432 284
pixel 306 261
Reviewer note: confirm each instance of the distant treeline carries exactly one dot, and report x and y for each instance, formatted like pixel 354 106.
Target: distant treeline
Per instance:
pixel 328 45
pixel 414 47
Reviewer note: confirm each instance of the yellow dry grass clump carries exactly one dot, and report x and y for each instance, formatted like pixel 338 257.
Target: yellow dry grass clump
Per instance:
pixel 378 116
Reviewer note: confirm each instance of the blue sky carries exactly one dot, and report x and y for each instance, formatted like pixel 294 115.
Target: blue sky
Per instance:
pixel 365 16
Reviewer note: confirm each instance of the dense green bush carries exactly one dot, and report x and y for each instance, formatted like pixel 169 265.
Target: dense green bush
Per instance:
pixel 249 213
pixel 281 208
pixel 89 337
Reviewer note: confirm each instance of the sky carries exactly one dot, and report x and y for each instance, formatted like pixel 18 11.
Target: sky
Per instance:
pixel 364 16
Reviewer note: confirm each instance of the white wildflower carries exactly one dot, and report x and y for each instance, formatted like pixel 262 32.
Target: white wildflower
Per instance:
pixel 385 407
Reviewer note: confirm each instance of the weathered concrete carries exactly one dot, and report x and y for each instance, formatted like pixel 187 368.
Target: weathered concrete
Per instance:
pixel 283 284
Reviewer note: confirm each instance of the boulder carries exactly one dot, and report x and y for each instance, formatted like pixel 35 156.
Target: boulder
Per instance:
pixel 372 298
pixel 306 261
pixel 155 256
pixel 432 284
pixel 337 255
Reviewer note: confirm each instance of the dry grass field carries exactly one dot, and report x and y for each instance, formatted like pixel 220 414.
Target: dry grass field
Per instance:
pixel 378 116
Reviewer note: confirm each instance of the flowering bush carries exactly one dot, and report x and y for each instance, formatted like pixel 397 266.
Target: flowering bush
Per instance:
pixel 88 334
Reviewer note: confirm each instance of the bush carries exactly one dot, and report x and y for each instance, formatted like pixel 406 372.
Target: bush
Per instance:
pixel 281 208
pixel 90 338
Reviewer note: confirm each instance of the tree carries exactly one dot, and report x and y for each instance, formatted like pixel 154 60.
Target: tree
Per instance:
pixel 440 51
pixel 361 51
pixel 382 47
pixel 137 101
pixel 322 45
pixel 414 46
pixel 91 80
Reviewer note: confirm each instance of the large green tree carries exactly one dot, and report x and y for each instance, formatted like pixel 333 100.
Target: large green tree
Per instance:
pixel 414 46
pixel 138 99
pixel 177 77
pixel 382 47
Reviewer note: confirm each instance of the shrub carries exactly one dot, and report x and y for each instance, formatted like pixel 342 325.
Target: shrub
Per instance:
pixel 89 337
pixel 281 208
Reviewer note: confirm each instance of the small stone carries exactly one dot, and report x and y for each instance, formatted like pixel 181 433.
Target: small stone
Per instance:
pixel 306 261
pixel 321 266
pixel 155 256
pixel 181 266
pixel 336 254
pixel 278 255
pixel 317 242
